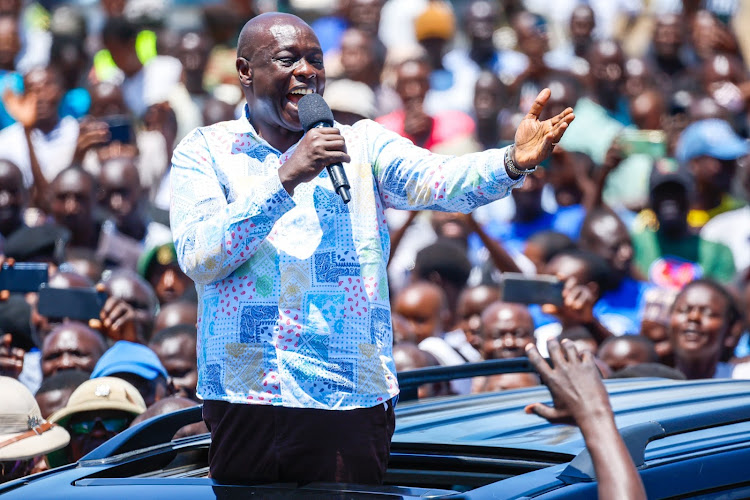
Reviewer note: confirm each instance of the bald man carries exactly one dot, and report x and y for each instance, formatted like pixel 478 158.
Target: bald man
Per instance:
pixel 294 333
pixel 506 330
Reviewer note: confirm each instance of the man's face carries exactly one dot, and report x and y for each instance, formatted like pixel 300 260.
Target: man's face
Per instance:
pixel 531 31
pixel 469 310
pixel 668 36
pixel 698 324
pixel 45 85
pixel 506 331
pixel 10 42
pixel 412 82
pixel 90 429
pixel 712 173
pixel 120 190
pixel 178 356
pixel 12 198
pixel 488 97
pixel 71 346
pixel 607 67
pixel 286 64
pixel 73 200
pixel 670 204
pixel 481 20
pixel 610 240
pixel 357 55
pixel 417 314
pixel 365 14
pixel 581 24
pixel 622 353
pixel 169 283
pixel 450 225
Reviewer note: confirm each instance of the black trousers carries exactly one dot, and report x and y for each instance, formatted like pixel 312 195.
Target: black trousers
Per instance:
pixel 269 444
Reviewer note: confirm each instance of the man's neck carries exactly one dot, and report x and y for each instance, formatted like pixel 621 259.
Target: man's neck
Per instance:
pixel 134 70
pixel 481 55
pixel 194 83
pixel 47 126
pixel 85 237
pixel 134 228
pixel 279 137
pixel 488 133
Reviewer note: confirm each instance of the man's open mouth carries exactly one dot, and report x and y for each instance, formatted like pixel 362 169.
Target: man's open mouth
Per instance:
pixel 295 95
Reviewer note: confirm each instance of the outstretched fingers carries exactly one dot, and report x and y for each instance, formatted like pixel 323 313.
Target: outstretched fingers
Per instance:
pixel 539 103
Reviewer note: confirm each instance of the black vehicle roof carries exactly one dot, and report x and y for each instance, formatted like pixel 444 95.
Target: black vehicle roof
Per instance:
pixel 682 417
pixel 498 420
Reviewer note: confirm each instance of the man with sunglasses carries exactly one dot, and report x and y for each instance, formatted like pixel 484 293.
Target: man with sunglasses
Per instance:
pixel 97 411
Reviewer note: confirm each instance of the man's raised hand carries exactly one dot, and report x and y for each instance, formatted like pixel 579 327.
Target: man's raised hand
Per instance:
pixel 534 138
pixel 578 394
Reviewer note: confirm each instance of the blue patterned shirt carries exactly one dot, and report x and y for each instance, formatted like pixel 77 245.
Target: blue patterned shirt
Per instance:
pixel 293 294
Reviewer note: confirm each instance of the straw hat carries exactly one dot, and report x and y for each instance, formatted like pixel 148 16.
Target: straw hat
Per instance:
pixel 103 393
pixel 23 432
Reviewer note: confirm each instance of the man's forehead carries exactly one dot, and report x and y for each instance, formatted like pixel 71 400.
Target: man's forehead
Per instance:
pixel 282 32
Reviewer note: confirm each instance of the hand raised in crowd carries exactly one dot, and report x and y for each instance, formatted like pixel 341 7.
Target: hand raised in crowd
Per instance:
pixel 574 383
pixel 580 398
pixel 91 133
pixel 612 159
pixel 22 107
pixel 318 148
pixel 417 123
pixel 117 319
pixel 534 138
pixel 578 304
pixel 11 358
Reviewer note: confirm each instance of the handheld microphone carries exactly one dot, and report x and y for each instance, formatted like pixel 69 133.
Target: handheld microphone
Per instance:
pixel 314 113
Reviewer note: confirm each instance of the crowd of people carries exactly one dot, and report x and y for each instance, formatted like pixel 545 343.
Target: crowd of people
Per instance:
pixel 641 211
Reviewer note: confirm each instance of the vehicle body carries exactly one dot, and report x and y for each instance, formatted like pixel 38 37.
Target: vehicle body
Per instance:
pixel 689 439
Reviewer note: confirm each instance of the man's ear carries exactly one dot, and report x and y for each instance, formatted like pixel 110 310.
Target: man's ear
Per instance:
pixel 244 71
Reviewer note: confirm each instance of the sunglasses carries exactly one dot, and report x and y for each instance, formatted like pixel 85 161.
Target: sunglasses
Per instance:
pixel 110 424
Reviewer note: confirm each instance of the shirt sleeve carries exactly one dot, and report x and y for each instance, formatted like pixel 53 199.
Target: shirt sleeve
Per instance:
pixel 213 237
pixel 412 178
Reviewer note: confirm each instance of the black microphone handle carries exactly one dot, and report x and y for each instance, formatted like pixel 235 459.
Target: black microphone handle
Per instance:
pixel 336 173
pixel 339 180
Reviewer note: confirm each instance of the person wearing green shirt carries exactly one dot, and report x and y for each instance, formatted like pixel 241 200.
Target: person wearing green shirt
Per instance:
pixel 667 251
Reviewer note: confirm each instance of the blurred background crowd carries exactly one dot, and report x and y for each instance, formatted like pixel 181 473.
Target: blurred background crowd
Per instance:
pixel 641 210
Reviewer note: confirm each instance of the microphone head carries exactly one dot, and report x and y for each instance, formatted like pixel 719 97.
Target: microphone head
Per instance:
pixel 313 110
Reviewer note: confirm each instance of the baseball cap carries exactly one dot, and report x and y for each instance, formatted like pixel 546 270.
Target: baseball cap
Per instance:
pixel 103 393
pixel 711 137
pixel 45 242
pixel 160 254
pixel 23 432
pixel 666 171
pixel 129 357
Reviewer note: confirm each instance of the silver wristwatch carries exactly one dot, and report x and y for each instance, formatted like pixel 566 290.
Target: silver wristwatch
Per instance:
pixel 510 164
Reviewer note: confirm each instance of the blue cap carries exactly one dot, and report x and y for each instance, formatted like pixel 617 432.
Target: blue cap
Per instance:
pixel 712 137
pixel 128 357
